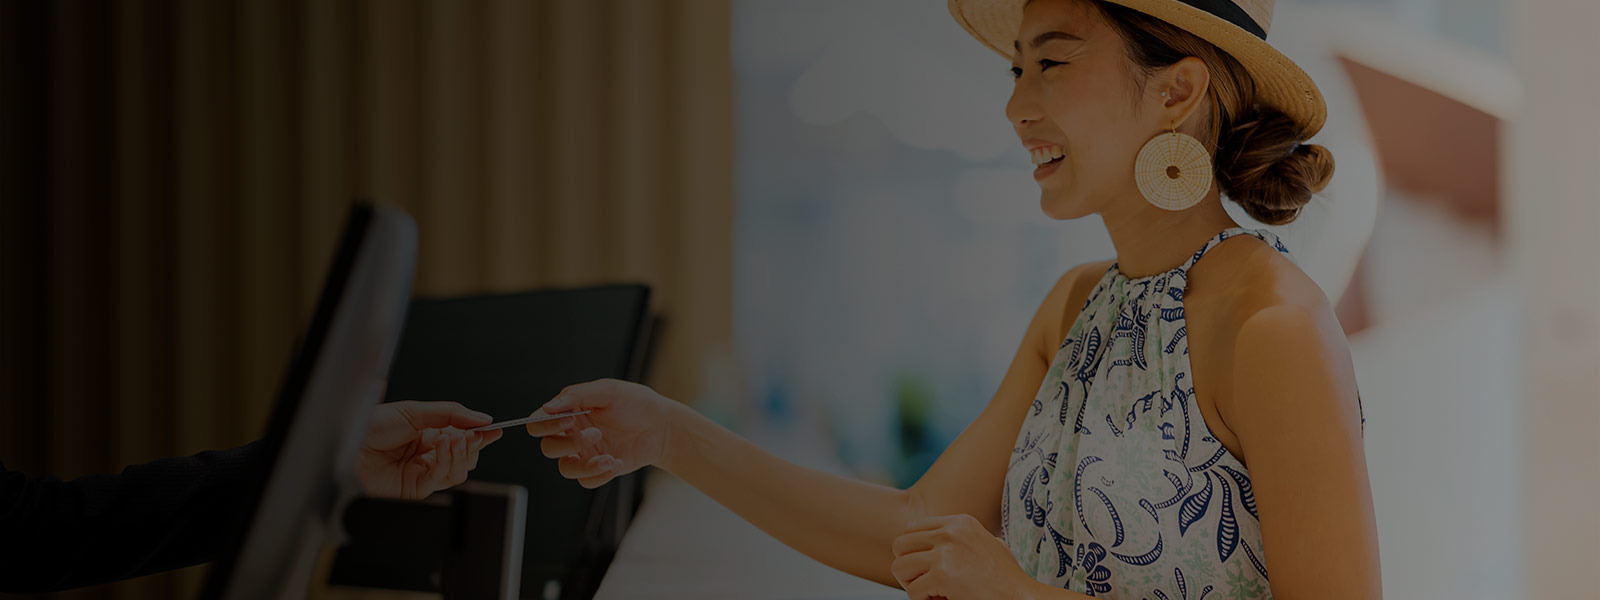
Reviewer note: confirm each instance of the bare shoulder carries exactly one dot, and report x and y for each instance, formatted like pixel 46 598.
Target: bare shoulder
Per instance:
pixel 1254 281
pixel 1278 331
pixel 1069 295
pixel 1080 280
pixel 1060 307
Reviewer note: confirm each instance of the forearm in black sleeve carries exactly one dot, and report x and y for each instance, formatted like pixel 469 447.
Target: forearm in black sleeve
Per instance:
pixel 162 515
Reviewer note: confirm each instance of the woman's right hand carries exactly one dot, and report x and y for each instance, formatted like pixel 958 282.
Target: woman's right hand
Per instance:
pixel 626 429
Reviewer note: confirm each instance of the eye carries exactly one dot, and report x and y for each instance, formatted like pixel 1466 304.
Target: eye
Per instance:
pixel 1044 64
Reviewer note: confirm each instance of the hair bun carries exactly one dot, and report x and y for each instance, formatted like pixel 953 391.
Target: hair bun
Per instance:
pixel 1263 166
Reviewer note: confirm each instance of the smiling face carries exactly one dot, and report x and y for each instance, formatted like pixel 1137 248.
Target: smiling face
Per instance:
pixel 1076 98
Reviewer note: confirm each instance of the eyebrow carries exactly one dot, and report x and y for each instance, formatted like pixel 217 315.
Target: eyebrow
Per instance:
pixel 1040 39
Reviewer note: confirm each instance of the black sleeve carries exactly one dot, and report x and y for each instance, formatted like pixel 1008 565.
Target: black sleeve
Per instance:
pixel 162 515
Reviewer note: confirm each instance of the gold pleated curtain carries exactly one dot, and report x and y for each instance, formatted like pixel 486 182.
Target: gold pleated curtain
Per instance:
pixel 199 157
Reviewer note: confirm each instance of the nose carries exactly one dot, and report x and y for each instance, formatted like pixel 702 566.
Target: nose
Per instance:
pixel 1024 108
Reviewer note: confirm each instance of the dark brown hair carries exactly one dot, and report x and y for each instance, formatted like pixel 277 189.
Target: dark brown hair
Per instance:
pixel 1259 161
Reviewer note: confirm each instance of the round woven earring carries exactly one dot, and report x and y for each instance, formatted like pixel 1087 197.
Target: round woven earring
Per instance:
pixel 1173 171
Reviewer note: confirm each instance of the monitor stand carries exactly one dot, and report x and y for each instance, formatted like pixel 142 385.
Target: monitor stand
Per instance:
pixel 465 542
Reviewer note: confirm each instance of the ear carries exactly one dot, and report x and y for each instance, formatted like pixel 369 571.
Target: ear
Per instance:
pixel 1185 83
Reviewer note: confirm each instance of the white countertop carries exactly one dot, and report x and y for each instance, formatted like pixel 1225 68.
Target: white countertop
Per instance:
pixel 682 544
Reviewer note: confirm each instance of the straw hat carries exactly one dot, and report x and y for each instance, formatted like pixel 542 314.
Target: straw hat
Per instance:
pixel 1238 27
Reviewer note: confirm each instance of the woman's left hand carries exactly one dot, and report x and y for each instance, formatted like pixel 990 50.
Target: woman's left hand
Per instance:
pixel 955 557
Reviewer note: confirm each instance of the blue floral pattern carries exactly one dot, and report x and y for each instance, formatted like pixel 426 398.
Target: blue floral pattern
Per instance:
pixel 1150 504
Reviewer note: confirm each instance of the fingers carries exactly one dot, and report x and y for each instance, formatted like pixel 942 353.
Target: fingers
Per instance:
pixel 927 587
pixel 444 463
pixel 447 455
pixel 927 523
pixel 428 439
pixel 918 541
pixel 484 438
pixel 602 479
pixel 414 475
pixel 592 472
pixel 475 445
pixel 474 442
pixel 579 451
pixel 462 458
pixel 437 471
pixel 419 476
pixel 591 395
pixel 581 443
pixel 594 396
pixel 910 567
pixel 423 415
pixel 544 428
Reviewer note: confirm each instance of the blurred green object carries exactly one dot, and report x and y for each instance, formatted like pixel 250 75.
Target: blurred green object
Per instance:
pixel 917 448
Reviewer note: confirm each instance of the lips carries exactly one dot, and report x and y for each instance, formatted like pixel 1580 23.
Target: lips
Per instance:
pixel 1044 170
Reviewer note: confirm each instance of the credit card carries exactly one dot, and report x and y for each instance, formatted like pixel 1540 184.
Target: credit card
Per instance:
pixel 527 420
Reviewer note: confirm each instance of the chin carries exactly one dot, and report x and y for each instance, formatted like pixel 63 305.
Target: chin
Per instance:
pixel 1059 207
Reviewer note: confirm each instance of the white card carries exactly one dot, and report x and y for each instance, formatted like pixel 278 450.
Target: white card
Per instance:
pixel 527 420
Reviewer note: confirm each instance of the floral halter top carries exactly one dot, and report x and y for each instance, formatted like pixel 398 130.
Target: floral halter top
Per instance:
pixel 1116 488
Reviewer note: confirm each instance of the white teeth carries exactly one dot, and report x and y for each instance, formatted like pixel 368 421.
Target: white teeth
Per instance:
pixel 1044 155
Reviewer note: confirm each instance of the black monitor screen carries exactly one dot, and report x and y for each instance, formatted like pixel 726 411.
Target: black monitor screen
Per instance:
pixel 338 374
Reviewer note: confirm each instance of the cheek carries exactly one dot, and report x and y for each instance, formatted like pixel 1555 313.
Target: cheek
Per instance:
pixel 1104 159
pixel 1092 136
pixel 1098 162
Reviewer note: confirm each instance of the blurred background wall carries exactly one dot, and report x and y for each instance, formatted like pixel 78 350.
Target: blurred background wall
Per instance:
pixel 174 174
pixel 1554 213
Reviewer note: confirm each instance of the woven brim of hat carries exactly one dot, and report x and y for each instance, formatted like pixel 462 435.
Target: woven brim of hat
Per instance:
pixel 1280 83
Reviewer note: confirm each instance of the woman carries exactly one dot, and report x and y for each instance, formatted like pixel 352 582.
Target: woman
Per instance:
pixel 1177 423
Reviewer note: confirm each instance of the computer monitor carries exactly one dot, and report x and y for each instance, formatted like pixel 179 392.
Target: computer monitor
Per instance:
pixel 336 378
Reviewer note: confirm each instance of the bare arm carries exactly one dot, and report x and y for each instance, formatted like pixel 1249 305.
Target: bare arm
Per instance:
pixel 841 522
pixel 969 477
pixel 848 524
pixel 1295 412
